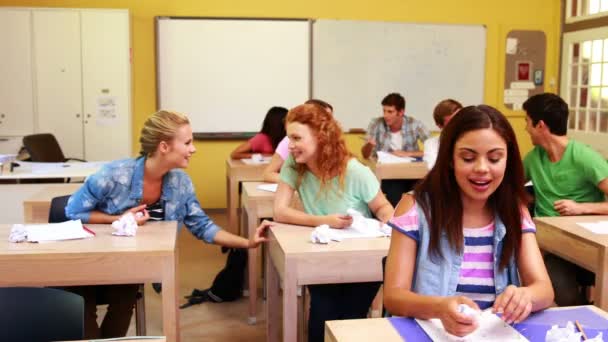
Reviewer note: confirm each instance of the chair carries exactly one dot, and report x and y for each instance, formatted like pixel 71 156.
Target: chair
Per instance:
pixel 57 214
pixel 38 314
pixel 45 148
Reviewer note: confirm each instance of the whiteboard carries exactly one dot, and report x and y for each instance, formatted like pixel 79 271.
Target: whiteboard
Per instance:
pixel 357 63
pixel 226 73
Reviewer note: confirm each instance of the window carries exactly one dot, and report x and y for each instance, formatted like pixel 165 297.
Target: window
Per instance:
pixel 577 10
pixel 585 81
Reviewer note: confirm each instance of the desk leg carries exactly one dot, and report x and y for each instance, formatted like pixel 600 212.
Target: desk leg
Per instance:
pixel 169 296
pixel 290 304
pixel 233 195
pixel 272 300
pixel 252 262
pixel 601 281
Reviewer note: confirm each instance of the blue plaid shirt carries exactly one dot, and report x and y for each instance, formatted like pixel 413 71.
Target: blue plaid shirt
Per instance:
pixel 118 186
pixel 412 131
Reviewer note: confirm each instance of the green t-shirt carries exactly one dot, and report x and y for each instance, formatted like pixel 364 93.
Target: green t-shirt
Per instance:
pixel 360 187
pixel 574 177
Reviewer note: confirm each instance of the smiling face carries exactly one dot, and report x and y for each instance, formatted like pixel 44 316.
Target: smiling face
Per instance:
pixel 302 142
pixel 178 151
pixel 480 160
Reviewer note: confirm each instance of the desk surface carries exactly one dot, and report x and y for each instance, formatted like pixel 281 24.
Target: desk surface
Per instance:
pixel 152 239
pixel 381 329
pixel 52 170
pixel 568 224
pixel 104 259
pixel 413 170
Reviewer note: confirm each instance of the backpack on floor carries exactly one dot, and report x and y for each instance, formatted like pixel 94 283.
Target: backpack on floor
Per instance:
pixel 228 283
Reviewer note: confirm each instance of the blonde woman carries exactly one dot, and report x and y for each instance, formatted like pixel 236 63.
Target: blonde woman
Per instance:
pixel 154 185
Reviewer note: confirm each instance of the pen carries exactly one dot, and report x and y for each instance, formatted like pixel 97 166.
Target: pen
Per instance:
pixel 88 230
pixel 578 325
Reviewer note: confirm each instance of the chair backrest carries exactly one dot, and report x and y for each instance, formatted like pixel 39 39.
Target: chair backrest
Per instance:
pixel 57 210
pixel 36 314
pixel 43 148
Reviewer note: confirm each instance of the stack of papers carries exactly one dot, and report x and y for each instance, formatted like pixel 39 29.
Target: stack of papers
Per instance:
pixel 252 161
pixel 389 158
pixel 599 227
pixel 68 230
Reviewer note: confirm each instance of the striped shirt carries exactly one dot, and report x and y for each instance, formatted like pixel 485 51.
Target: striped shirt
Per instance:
pixel 476 275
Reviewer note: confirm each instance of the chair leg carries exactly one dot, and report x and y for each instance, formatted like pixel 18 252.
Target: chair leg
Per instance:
pixel 140 313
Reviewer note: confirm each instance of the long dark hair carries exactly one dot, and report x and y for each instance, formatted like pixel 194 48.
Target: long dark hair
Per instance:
pixel 274 125
pixel 438 194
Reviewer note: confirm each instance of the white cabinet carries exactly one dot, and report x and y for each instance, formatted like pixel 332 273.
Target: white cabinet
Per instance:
pixel 79 67
pixel 16 101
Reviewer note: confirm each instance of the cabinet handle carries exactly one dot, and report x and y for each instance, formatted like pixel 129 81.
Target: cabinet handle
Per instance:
pixel 77 115
pixel 2 115
pixel 86 121
pixel 88 115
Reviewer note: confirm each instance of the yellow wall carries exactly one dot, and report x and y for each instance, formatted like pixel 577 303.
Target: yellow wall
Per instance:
pixel 208 173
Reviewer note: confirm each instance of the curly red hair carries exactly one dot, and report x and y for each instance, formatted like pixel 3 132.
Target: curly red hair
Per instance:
pixel 332 155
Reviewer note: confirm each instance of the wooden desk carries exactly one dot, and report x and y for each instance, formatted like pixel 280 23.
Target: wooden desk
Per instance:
pixel 256 204
pixel 294 261
pixel 36 207
pixel 236 172
pixel 563 237
pixel 40 171
pixel 134 339
pixel 151 256
pixel 380 329
pixel 414 170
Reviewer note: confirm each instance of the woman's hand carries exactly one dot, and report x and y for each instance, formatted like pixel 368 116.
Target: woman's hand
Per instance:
pixel 339 221
pixel 260 234
pixel 515 304
pixel 141 218
pixel 455 322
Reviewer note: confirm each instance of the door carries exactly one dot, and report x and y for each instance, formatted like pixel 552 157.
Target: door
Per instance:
pixel 106 84
pixel 58 90
pixel 16 102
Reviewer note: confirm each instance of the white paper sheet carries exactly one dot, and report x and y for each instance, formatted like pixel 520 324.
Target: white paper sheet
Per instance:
pixel 68 230
pixel 250 161
pixel 389 158
pixel 599 227
pixel 272 187
pixel 491 328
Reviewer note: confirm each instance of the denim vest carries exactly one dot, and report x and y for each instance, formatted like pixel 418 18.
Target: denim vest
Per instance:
pixel 437 276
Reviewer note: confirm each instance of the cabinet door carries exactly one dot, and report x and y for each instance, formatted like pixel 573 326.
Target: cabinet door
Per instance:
pixel 16 103
pixel 58 90
pixel 106 84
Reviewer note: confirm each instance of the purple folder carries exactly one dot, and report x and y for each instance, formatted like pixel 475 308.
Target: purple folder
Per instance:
pixel 534 328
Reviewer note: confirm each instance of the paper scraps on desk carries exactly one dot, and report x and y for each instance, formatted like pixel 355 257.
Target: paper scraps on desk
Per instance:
pixel 68 230
pixel 126 225
pixel 257 159
pixel 491 328
pixel 389 158
pixel 271 187
pixel 599 227
pixel 362 227
pixel 568 334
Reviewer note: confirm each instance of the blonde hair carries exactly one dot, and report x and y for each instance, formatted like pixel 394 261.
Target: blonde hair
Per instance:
pixel 160 126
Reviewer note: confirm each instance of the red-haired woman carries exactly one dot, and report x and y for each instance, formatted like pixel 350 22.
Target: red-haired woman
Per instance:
pixel 329 181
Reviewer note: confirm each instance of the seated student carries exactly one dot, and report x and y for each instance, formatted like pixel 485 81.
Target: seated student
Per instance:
pixel 399 134
pixel 271 172
pixel 465 234
pixel 265 142
pixel 569 178
pixel 153 185
pixel 442 114
pixel 329 181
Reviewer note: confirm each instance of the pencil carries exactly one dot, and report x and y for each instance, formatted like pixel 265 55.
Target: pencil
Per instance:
pixel 578 325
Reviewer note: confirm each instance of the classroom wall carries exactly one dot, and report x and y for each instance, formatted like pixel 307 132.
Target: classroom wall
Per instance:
pixel 208 167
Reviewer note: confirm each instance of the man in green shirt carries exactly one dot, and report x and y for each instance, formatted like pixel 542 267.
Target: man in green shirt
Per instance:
pixel 569 178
